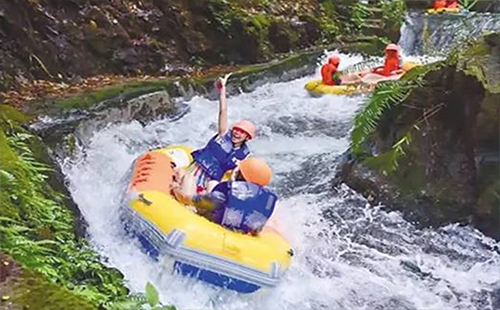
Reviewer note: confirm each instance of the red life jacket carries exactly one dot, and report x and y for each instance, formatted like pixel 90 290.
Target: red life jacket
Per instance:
pixel 452 4
pixel 327 72
pixel 439 4
pixel 391 64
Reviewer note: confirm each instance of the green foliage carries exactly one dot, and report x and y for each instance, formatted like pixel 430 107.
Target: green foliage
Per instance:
pixel 152 295
pixel 393 11
pixel 140 301
pixel 328 21
pixel 385 96
pixel 37 230
pixel 388 162
pixel 360 13
pixel 468 4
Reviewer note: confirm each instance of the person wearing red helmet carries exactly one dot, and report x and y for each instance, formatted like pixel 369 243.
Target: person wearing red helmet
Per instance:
pixel 452 4
pixel 439 4
pixel 330 74
pixel 392 63
pixel 222 153
pixel 329 71
pixel 243 204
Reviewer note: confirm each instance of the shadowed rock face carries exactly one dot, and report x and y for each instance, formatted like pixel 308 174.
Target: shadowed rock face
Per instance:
pixel 66 40
pixel 451 170
pixel 480 6
pixel 43 39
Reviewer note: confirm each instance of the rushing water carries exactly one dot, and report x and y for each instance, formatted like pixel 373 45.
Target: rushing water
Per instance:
pixel 437 34
pixel 348 255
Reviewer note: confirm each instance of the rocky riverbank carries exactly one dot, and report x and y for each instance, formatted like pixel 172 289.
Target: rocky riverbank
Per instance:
pixel 434 152
pixel 66 41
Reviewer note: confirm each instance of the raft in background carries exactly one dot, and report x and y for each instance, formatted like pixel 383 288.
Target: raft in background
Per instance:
pixel 200 248
pixel 316 87
pixel 447 11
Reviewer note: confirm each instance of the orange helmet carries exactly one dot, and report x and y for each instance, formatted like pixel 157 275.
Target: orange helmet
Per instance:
pixel 392 47
pixel 256 170
pixel 334 60
pixel 246 126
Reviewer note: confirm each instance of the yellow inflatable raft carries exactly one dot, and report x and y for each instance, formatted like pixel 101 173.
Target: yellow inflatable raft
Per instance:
pixel 316 87
pixel 445 10
pixel 199 247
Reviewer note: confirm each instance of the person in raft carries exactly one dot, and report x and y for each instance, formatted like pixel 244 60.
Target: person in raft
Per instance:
pixel 330 74
pixel 393 63
pixel 439 4
pixel 221 154
pixel 243 204
pixel 452 4
pixel 449 4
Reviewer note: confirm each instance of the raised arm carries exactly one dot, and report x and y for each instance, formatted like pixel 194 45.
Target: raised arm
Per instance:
pixel 223 126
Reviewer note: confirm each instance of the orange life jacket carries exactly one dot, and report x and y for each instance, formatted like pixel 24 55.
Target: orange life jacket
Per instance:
pixel 439 4
pixel 327 72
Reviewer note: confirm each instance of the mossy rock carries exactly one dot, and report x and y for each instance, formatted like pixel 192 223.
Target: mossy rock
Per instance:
pixel 481 59
pixel 282 37
pixel 31 290
pixel 10 113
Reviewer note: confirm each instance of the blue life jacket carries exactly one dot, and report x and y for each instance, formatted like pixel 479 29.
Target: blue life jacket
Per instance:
pixel 245 206
pixel 219 156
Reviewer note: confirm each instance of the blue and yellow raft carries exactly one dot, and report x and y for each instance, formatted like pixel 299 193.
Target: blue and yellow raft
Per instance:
pixel 200 248
pixel 446 11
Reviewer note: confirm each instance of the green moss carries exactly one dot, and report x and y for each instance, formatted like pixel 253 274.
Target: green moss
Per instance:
pixel 480 58
pixel 8 112
pixel 133 89
pixel 32 291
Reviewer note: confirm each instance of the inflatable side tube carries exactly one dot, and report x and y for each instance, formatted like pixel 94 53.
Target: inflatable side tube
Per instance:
pixel 172 244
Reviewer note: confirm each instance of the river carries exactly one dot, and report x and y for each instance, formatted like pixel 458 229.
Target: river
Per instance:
pixel 348 255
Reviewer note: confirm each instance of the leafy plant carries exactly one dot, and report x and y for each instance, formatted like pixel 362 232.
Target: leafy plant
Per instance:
pixel 468 4
pixel 360 13
pixel 393 10
pixel 389 161
pixel 37 230
pixel 386 95
pixel 139 302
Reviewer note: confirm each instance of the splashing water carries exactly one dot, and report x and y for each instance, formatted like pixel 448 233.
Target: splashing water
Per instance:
pixel 438 34
pixel 348 255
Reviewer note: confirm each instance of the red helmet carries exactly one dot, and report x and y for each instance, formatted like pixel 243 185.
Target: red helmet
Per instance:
pixel 246 126
pixel 334 60
pixel 392 47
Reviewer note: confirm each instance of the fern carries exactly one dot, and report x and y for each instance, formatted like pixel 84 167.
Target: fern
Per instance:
pixel 388 162
pixel 386 95
pixel 468 4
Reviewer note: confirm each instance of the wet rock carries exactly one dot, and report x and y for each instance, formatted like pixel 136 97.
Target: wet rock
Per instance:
pixel 450 170
pixel 280 37
pixel 126 55
pixel 310 30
